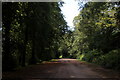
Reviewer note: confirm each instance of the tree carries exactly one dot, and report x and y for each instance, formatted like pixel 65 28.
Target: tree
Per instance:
pixel 31 32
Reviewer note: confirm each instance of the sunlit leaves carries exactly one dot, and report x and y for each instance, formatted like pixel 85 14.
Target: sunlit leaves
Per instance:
pixel 94 26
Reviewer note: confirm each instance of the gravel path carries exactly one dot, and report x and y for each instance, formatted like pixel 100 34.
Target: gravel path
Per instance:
pixel 61 69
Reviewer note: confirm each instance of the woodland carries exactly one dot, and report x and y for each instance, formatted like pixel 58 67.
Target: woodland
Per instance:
pixel 33 32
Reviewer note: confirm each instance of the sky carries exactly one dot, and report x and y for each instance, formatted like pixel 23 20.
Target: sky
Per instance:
pixel 70 10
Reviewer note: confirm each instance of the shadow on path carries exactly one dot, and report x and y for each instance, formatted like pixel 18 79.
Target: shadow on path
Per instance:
pixel 59 69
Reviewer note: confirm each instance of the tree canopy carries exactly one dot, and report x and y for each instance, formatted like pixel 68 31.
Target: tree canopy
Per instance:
pixel 33 32
pixel 97 34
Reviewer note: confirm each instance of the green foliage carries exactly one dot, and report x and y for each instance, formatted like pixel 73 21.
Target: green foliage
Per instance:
pixel 110 60
pixel 81 57
pixel 90 56
pixel 32 32
pixel 96 37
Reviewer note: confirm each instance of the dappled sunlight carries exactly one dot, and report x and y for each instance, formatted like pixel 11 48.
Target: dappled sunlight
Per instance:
pixel 56 40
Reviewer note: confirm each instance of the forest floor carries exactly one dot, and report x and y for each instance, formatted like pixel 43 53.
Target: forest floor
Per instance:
pixel 61 69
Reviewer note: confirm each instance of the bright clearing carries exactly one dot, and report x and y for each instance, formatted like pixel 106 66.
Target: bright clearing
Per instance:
pixel 70 10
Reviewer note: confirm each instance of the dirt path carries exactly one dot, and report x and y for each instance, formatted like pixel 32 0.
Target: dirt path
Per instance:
pixel 63 68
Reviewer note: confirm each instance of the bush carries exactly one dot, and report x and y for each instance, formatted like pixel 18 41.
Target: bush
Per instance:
pixel 91 56
pixel 81 57
pixel 110 60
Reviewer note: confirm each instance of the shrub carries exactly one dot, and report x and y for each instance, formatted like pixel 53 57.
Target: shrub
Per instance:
pixel 110 60
pixel 91 56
